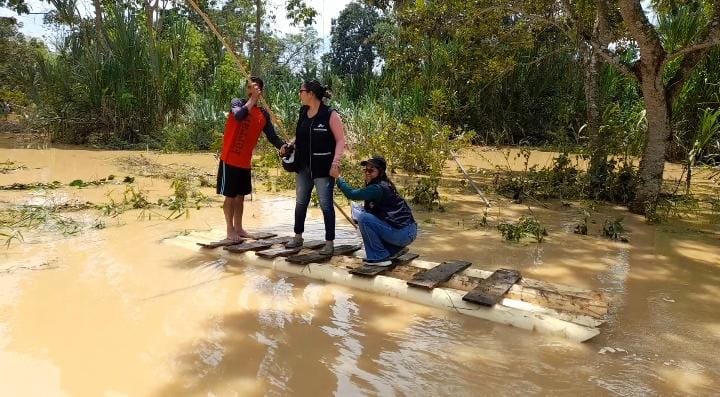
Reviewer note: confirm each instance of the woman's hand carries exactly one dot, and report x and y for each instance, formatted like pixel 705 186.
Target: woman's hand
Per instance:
pixel 335 171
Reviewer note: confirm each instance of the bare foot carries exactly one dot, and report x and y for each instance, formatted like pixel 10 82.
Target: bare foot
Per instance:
pixel 232 237
pixel 242 233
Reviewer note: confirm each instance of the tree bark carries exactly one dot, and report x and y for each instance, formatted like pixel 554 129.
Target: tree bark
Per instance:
pixel 256 61
pixel 659 133
pixel 598 143
pixel 98 19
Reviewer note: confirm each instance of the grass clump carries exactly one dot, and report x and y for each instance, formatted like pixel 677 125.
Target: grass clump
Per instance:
pixel 526 226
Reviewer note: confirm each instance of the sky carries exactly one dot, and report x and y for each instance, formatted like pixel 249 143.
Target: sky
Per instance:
pixel 327 10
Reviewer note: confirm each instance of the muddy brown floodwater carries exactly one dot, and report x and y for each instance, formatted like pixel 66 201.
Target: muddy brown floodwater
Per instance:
pixel 116 312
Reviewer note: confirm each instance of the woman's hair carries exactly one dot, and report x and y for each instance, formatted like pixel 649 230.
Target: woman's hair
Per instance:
pixel 382 177
pixel 319 90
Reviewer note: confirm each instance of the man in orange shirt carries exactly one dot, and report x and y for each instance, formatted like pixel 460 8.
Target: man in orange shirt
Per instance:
pixel 246 121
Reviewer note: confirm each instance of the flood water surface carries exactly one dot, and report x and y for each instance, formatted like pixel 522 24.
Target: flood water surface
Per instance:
pixel 115 311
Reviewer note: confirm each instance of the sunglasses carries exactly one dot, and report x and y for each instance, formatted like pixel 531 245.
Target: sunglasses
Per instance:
pixel 369 170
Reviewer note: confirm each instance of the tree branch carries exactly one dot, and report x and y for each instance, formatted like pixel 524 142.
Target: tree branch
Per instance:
pixel 693 55
pixel 601 45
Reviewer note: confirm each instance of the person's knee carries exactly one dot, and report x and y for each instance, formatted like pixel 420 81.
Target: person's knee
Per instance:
pixel 364 218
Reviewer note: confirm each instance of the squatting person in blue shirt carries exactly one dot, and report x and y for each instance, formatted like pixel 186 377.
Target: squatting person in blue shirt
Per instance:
pixel 387 224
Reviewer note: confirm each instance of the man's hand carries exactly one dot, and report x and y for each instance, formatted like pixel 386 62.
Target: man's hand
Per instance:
pixel 255 93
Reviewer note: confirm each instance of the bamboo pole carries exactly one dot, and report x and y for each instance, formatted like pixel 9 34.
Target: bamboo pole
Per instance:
pixel 472 183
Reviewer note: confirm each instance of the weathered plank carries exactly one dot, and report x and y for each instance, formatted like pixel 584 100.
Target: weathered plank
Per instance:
pixel 439 274
pixel 304 259
pixel 372 271
pixel 314 257
pixel 275 252
pixel 492 289
pixel 346 249
pixel 279 240
pixel 262 235
pixel 221 243
pixel 249 246
pixel 313 244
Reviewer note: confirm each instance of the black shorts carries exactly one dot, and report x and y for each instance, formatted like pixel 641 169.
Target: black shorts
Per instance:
pixel 233 181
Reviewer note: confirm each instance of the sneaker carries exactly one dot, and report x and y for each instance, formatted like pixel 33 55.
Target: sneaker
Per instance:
pixel 296 242
pixel 327 249
pixel 381 263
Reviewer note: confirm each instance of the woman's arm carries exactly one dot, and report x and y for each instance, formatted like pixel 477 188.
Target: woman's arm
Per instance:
pixel 372 192
pixel 338 130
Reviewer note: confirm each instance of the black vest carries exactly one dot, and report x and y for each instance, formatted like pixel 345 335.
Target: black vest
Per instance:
pixel 315 142
pixel 391 208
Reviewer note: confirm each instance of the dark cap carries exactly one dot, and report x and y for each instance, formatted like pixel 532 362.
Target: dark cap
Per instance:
pixel 375 161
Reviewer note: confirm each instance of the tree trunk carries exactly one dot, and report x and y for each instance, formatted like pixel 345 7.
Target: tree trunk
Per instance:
pixel 658 136
pixel 98 18
pixel 256 61
pixel 598 143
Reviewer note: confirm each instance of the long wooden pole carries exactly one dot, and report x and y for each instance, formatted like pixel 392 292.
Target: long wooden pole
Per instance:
pixel 245 73
pixel 472 183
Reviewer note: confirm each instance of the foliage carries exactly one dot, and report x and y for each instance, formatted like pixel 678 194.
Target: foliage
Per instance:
pixel 614 228
pixel 425 193
pixel 526 226
pixel 9 166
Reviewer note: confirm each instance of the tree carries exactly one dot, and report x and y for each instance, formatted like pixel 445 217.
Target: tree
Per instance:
pixel 352 49
pixel 19 6
pixel 17 65
pixel 661 71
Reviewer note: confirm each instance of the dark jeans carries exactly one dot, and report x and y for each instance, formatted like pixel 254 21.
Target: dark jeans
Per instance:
pixel 382 240
pixel 303 190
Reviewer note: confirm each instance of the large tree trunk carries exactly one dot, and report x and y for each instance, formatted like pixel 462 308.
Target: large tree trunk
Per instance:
pixel 256 61
pixel 98 18
pixel 658 136
pixel 598 143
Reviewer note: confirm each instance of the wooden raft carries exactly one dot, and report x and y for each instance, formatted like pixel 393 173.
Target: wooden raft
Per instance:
pixel 557 297
pixel 483 287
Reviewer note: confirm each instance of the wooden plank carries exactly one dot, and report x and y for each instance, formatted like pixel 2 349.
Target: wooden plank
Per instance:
pixel 249 246
pixel 372 271
pixel 262 235
pixel 492 289
pixel 279 240
pixel 304 259
pixel 346 249
pixel 221 243
pixel 437 275
pixel 314 244
pixel 275 252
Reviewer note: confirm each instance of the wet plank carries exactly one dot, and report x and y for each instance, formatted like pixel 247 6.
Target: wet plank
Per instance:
pixel 221 243
pixel 249 246
pixel 304 259
pixel 262 235
pixel 279 240
pixel 492 289
pixel 437 275
pixel 314 244
pixel 275 252
pixel 346 249
pixel 371 271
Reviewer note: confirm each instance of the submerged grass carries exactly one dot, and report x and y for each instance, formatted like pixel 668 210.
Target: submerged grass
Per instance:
pixel 9 166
